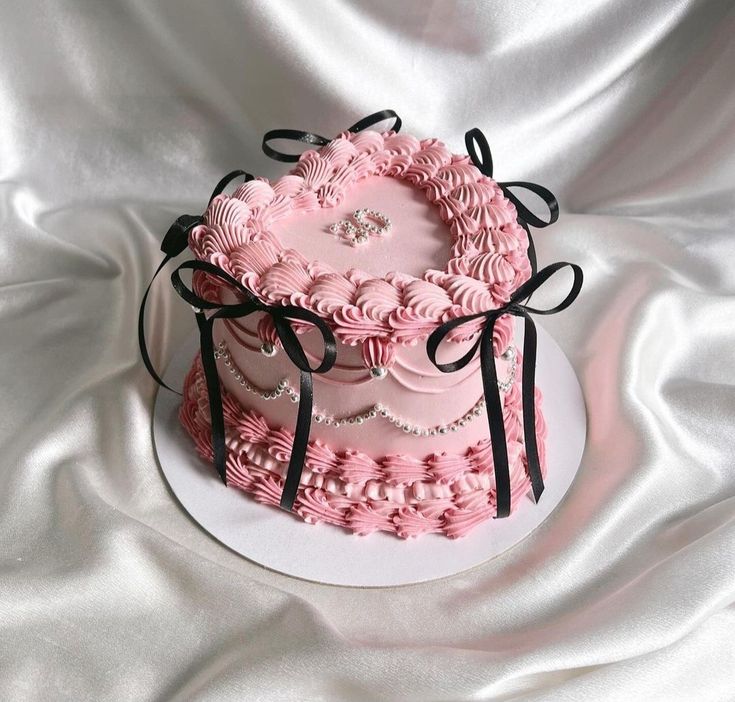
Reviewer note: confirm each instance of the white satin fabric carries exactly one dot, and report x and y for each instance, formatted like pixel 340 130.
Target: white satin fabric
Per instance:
pixel 116 117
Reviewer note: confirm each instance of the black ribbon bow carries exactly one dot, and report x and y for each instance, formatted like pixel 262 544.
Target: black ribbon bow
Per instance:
pixel 174 243
pixel 317 140
pixel 515 306
pixel 282 316
pixel 474 139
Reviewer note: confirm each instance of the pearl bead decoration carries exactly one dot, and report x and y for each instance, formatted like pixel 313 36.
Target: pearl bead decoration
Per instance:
pixel 366 223
pixel 509 355
pixel 376 411
pixel 367 219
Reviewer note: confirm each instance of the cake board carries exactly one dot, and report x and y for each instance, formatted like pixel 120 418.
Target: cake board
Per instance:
pixel 330 555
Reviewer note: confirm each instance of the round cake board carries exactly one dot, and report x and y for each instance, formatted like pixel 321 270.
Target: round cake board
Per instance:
pixel 327 554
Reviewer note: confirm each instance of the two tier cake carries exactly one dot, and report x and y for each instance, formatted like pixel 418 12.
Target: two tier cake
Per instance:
pixel 385 237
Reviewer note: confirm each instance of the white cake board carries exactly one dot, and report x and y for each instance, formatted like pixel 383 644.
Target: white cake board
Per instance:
pixel 327 554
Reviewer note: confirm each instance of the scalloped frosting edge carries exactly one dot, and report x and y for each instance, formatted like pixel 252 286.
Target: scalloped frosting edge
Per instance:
pixel 488 256
pixel 444 493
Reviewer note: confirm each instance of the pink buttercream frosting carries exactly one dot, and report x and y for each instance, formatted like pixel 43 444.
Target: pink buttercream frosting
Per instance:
pixel 488 249
pixel 442 492
pixel 444 484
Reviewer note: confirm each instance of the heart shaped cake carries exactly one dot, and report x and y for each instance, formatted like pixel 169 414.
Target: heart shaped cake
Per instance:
pixel 384 237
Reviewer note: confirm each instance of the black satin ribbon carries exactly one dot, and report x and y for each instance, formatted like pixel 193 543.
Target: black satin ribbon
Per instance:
pixel 282 316
pixel 515 306
pixel 317 140
pixel 175 243
pixel 475 139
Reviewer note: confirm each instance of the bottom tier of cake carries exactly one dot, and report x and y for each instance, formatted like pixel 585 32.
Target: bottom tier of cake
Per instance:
pixel 443 493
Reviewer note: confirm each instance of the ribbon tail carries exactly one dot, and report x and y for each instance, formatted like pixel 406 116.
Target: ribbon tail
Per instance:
pixel 300 442
pixel 529 407
pixel 494 409
pixel 141 331
pixel 216 414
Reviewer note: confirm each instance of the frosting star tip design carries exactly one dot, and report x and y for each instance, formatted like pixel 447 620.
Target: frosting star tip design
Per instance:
pixel 488 246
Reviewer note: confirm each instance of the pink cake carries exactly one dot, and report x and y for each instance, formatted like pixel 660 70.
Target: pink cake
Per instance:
pixel 384 237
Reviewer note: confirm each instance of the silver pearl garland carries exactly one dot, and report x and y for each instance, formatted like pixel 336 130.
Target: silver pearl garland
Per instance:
pixel 376 411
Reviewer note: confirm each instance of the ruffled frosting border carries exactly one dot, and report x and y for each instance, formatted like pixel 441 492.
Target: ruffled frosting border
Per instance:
pixel 404 495
pixel 488 258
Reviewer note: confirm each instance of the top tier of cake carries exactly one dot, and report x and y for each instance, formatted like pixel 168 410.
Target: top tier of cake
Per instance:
pixel 454 246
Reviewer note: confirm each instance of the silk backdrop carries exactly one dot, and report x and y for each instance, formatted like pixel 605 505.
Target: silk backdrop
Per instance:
pixel 117 116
